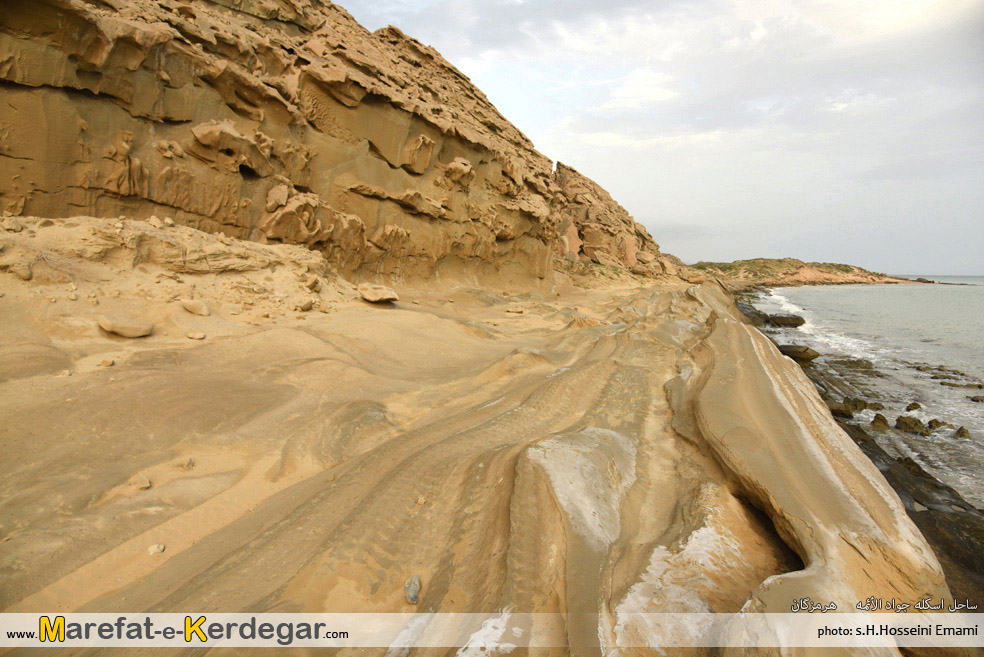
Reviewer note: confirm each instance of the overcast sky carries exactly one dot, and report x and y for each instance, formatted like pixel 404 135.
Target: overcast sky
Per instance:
pixel 846 131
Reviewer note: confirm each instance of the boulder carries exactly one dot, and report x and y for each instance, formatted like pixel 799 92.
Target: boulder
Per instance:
pixel 377 293
pixel 786 321
pixel 798 352
pixel 125 328
pixel 879 422
pixel 911 425
pixel 196 307
pixel 961 433
pixel 914 406
pixel 935 424
pixel 977 398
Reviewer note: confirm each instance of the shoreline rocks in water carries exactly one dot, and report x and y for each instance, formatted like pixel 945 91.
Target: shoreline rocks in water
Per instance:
pixel 785 321
pixel 953 527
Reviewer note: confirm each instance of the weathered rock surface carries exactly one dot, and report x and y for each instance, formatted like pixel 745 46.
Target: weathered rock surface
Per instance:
pixel 786 321
pixel 377 293
pixel 798 352
pixel 879 422
pixel 196 307
pixel 754 315
pixel 912 425
pixel 282 121
pixel 126 328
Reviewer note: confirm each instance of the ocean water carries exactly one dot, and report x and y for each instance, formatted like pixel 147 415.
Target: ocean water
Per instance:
pixel 900 328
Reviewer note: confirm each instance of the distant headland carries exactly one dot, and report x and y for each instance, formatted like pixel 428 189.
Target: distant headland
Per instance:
pixel 790 272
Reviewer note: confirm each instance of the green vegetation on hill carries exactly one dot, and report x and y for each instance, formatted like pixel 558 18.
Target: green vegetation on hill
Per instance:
pixel 771 270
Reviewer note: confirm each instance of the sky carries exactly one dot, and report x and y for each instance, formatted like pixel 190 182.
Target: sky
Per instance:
pixel 825 130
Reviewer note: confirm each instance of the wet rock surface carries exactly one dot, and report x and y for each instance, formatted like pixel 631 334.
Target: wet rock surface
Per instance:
pixel 786 321
pixel 953 526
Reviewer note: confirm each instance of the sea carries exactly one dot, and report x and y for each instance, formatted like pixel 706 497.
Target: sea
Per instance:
pixel 917 337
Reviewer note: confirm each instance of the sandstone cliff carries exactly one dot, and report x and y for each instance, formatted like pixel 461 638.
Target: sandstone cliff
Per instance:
pixel 286 121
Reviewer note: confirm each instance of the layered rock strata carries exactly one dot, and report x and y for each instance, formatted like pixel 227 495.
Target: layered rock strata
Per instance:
pixel 283 121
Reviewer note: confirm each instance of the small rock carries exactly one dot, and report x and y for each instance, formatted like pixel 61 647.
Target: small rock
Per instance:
pixel 411 589
pixel 143 483
pixel 155 222
pixel 935 424
pixel 125 328
pixel 313 283
pixel 961 433
pixel 72 296
pixel 914 406
pixel 169 222
pixel 879 422
pixel 977 398
pixel 377 293
pixel 156 548
pixel 11 224
pixel 911 425
pixel 22 271
pixel 107 363
pixel 196 307
pixel 876 406
pixel 45 223
pixel 306 305
pixel 196 336
pixel 188 465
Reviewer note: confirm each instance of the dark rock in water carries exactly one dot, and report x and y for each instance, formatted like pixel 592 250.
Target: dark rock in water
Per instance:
pixel 969 386
pixel 755 316
pixel 961 433
pixel 924 280
pixel 911 425
pixel 798 352
pixel 879 422
pixel 977 398
pixel 935 424
pixel 857 404
pixel 914 406
pixel 842 411
pixel 786 321
pixel 876 406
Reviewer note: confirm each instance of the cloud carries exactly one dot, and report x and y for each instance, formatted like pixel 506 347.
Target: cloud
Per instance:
pixel 771 126
pixel 639 89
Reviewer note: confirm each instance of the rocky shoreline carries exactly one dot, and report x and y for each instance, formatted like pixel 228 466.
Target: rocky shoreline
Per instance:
pixel 953 527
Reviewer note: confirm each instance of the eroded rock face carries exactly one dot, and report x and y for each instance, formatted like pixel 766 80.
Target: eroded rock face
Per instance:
pixel 595 227
pixel 287 122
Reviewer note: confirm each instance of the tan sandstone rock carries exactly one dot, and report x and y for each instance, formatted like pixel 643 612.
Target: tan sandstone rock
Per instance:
pixel 377 293
pixel 125 327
